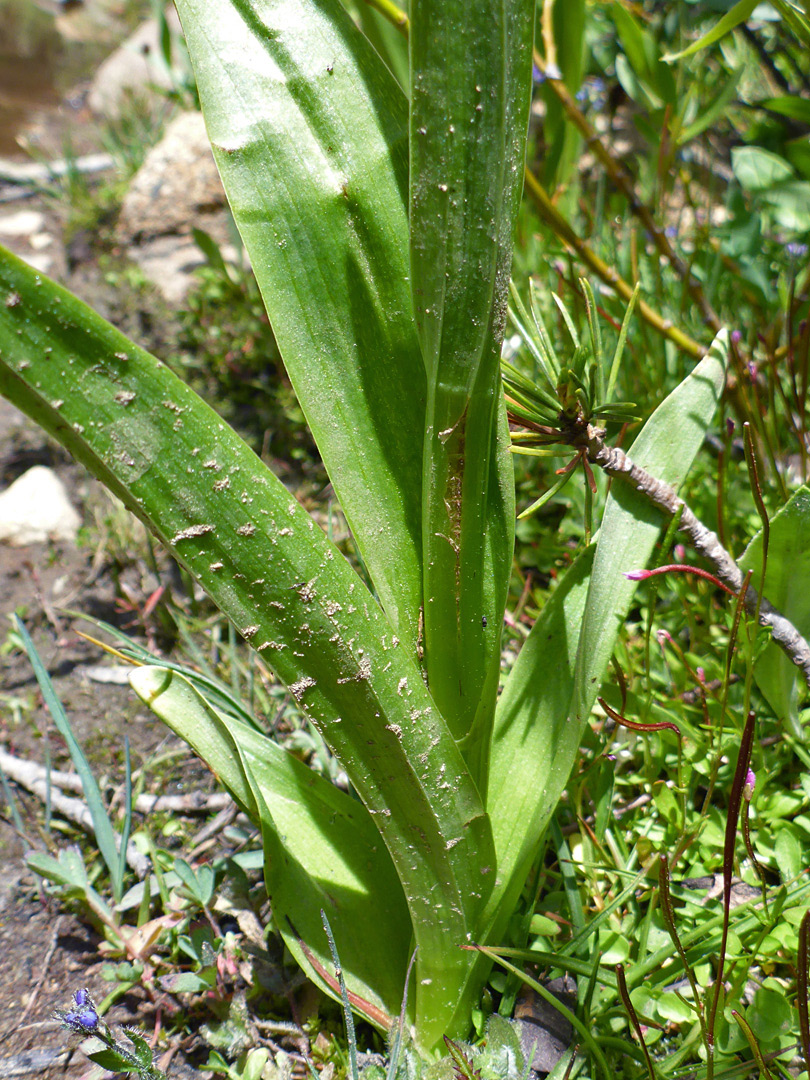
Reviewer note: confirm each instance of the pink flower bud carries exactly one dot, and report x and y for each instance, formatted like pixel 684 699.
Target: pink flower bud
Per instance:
pixel 750 784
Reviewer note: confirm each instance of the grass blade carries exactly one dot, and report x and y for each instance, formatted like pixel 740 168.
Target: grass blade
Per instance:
pixel 118 886
pixel 351 1037
pixel 102 826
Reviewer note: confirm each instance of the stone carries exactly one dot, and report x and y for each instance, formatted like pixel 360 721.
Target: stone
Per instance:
pixel 169 263
pixel 177 185
pixel 544 1033
pixel 176 190
pixel 36 508
pixel 22 223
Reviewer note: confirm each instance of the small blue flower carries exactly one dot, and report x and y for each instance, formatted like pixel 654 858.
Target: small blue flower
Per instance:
pixel 796 250
pixel 83 1022
pixel 83 1017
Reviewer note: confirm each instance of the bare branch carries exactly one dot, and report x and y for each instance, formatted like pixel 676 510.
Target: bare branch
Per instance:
pixel 617 464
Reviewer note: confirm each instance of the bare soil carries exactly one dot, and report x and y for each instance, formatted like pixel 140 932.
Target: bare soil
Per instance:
pixel 46 952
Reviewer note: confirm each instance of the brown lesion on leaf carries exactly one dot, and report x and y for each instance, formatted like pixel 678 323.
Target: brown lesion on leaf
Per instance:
pixel 454 440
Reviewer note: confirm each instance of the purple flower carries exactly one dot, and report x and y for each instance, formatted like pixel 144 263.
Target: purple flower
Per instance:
pixel 83 1017
pixel 736 336
pixel 86 1020
pixel 750 784
pixel 796 250
pixel 636 575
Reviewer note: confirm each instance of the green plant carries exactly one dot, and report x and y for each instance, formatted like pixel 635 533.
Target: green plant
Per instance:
pixel 380 235
pixel 227 352
pixel 111 845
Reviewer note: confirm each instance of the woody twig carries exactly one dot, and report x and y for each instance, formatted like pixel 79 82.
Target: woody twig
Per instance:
pixel 617 464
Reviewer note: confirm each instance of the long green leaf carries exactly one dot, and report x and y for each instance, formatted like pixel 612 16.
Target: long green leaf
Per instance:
pixel 331 854
pixel 787 586
pixel 551 689
pixel 666 447
pixel 309 131
pixel 532 740
pixel 262 559
pixel 563 140
pixel 470 89
pixel 740 13
pixel 113 853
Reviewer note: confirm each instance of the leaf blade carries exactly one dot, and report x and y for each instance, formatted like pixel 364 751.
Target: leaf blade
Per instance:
pixel 226 517
pixel 470 86
pixel 546 702
pixel 309 132
pixel 666 447
pixel 740 13
pixel 330 840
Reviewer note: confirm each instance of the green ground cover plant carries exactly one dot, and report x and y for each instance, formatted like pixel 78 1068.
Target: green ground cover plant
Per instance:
pixel 378 218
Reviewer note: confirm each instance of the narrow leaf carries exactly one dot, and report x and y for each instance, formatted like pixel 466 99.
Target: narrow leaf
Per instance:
pixel 331 840
pixel 272 571
pixel 102 826
pixel 617 356
pixel 739 14
pixel 470 89
pixel 666 447
pixel 309 131
pixel 550 691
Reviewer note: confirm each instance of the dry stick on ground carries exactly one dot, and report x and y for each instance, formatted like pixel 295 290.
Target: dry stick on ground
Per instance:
pixel 34 777
pixel 617 464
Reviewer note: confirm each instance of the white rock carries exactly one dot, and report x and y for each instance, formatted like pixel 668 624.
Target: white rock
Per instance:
pixel 38 260
pixel 177 185
pixel 21 223
pixel 36 508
